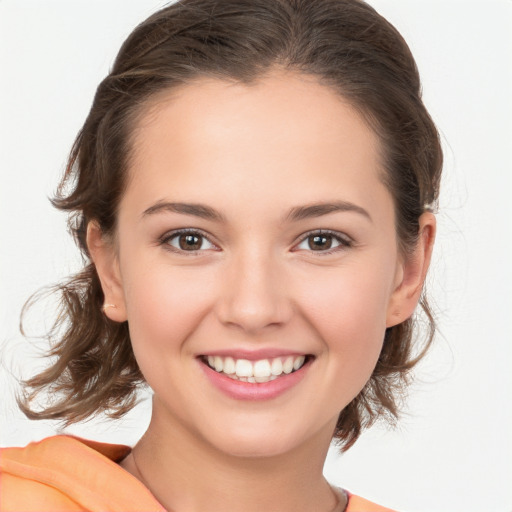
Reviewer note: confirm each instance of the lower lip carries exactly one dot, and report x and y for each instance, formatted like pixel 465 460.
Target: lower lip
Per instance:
pixel 240 390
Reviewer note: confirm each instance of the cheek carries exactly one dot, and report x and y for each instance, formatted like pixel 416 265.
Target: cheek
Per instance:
pixel 355 298
pixel 348 310
pixel 164 306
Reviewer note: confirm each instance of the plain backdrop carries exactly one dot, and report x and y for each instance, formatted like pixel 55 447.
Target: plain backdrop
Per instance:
pixel 452 451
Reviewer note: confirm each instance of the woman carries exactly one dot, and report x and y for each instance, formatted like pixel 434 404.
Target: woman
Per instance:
pixel 254 189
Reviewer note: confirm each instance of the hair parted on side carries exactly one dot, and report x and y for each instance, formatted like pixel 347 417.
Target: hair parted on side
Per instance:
pixel 348 47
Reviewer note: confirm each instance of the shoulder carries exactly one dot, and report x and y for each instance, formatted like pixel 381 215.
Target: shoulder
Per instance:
pixel 66 473
pixel 358 504
pixel 23 494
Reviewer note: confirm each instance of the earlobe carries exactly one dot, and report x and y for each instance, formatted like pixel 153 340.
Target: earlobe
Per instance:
pixel 413 272
pixel 104 257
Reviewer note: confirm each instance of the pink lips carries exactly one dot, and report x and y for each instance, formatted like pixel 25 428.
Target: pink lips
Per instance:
pixel 240 390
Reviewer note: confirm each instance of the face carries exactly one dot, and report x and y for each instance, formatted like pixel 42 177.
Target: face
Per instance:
pixel 255 260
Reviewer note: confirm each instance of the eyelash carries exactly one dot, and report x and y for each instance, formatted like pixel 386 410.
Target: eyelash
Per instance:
pixel 165 239
pixel 344 241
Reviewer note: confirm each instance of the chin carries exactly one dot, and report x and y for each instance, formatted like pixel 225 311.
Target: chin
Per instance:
pixel 257 449
pixel 259 441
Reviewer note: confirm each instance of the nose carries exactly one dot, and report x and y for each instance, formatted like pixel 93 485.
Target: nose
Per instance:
pixel 254 293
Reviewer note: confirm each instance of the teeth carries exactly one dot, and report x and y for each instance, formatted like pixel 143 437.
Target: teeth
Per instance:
pixel 298 362
pixel 262 368
pixel 243 368
pixel 288 365
pixel 218 364
pixel 229 365
pixel 260 371
pixel 277 367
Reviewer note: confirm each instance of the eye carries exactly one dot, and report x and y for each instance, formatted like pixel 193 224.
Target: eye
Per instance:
pixel 188 241
pixel 323 241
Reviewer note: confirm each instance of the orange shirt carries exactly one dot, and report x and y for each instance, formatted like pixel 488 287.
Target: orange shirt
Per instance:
pixel 67 474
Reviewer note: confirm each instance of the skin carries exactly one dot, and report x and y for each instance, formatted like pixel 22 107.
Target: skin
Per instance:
pixel 253 153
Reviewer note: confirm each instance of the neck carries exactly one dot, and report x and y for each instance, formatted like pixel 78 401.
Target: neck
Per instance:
pixel 186 474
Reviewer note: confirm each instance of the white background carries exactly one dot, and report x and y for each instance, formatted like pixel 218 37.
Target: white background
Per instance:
pixel 453 450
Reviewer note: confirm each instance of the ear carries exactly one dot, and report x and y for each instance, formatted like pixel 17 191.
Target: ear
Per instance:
pixel 104 256
pixel 411 274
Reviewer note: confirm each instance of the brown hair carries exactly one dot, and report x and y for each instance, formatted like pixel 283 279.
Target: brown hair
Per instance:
pixel 347 46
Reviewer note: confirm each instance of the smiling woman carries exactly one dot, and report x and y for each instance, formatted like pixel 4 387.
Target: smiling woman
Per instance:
pixel 254 190
pixel 243 227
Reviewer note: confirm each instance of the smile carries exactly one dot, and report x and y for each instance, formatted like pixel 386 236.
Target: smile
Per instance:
pixel 260 371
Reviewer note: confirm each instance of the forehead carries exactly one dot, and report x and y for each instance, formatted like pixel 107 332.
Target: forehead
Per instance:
pixel 286 131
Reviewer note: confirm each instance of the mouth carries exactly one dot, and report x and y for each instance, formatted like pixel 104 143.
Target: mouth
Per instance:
pixel 256 372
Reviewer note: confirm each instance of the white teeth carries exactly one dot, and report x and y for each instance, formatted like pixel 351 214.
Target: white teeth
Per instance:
pixel 298 362
pixel 229 365
pixel 218 363
pixel 243 368
pixel 277 367
pixel 260 371
pixel 288 365
pixel 262 368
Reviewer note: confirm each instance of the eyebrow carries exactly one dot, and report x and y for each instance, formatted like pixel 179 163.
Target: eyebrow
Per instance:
pixel 319 209
pixel 295 214
pixel 197 210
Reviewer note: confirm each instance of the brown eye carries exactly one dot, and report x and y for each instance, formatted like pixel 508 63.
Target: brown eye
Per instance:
pixel 320 242
pixel 324 242
pixel 188 241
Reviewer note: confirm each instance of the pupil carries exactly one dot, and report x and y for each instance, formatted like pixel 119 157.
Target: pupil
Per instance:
pixel 318 242
pixel 190 242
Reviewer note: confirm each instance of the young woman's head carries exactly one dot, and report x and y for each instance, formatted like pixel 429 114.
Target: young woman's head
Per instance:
pixel 254 182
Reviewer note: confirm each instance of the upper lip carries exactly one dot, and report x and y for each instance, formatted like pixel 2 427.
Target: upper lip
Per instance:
pixel 254 355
